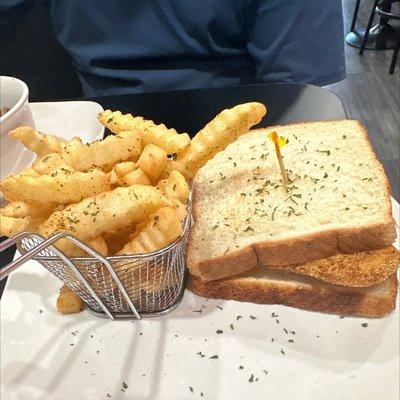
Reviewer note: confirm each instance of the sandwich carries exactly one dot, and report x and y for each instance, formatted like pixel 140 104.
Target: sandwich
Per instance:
pixel 323 241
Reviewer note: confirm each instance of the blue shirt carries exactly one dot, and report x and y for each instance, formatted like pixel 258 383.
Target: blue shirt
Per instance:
pixel 125 46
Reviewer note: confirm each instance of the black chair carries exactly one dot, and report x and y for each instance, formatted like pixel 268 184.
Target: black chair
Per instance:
pixel 355 15
pixel 382 36
pixel 386 15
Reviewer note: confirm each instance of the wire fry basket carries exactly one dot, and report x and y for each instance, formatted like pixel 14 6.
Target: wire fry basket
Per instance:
pixel 132 286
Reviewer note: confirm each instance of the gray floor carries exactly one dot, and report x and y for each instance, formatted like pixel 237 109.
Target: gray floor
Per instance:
pixel 372 96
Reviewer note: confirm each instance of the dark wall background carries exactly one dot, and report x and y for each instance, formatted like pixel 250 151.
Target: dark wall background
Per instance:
pixel 30 51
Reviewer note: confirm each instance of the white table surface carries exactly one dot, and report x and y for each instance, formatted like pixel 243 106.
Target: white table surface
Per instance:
pixel 45 355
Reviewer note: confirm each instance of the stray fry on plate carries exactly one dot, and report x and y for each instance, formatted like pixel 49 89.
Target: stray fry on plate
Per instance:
pixel 68 302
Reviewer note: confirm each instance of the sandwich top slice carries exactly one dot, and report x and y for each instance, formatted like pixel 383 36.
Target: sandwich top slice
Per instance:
pixel 338 201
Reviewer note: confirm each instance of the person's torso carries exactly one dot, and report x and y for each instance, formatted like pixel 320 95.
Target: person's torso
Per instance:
pixel 146 45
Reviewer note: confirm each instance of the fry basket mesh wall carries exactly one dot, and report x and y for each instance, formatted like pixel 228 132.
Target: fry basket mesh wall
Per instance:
pixel 153 282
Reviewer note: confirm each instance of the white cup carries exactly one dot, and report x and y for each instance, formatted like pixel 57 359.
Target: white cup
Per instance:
pixel 14 95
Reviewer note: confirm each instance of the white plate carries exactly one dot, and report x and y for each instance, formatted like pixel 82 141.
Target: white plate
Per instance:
pixel 48 356
pixel 67 119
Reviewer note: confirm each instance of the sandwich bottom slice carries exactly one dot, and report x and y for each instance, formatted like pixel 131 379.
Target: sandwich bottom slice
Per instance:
pixel 265 286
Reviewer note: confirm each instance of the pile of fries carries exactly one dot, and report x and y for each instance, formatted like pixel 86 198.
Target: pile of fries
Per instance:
pixel 125 194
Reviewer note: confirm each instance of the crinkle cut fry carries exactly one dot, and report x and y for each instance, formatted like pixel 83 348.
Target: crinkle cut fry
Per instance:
pixel 11 226
pixel 163 228
pixel 50 163
pixel 37 142
pixel 105 212
pixel 175 187
pixel 168 139
pixel 104 154
pixel 20 209
pixel 224 129
pixel 59 187
pixel 68 302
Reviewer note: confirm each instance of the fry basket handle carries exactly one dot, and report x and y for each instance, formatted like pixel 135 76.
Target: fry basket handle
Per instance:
pixel 12 266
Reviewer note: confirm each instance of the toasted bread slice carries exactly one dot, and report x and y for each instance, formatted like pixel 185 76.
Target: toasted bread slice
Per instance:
pixel 265 286
pixel 338 201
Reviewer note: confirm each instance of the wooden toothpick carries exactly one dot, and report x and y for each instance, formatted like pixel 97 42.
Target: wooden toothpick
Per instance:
pixel 280 142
